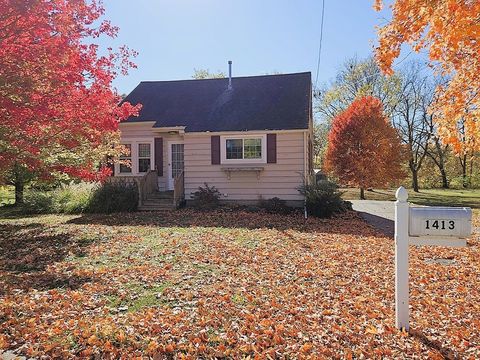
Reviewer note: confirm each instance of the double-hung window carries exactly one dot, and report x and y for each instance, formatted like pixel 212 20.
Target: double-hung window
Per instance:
pixel 244 149
pixel 124 168
pixel 144 152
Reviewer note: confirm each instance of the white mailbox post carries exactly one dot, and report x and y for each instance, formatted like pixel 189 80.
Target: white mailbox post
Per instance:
pixel 442 226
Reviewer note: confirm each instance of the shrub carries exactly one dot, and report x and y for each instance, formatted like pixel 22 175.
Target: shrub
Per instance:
pixel 323 199
pixel 38 202
pixel 68 199
pixel 114 197
pixel 73 198
pixel 275 206
pixel 207 197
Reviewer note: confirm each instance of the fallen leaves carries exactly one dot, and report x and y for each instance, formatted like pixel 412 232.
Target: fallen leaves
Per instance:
pixel 202 285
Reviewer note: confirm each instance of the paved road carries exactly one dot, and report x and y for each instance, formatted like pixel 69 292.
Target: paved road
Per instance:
pixel 380 214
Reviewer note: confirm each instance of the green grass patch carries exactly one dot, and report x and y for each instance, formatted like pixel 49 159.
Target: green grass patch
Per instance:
pixel 430 197
pixel 138 297
pixel 7 195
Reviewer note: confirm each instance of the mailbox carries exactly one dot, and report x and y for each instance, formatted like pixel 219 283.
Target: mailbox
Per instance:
pixel 432 226
pixel 440 222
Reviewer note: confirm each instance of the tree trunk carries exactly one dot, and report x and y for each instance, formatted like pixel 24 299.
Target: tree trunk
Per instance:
pixel 415 180
pixel 444 178
pixel 19 187
pixel 362 194
pixel 463 163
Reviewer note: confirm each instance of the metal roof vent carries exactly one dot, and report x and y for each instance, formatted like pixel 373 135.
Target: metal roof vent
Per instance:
pixel 230 75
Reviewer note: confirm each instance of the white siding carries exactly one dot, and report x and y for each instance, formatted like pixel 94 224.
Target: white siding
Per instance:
pixel 276 180
pixel 140 131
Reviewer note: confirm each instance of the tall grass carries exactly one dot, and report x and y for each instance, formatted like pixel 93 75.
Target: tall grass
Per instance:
pixel 7 195
pixel 82 198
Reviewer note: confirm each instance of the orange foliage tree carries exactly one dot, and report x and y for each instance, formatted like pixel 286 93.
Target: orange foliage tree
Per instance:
pixel 364 150
pixel 450 31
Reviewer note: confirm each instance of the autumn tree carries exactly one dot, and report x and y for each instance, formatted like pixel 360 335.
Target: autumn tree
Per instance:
pixel 357 78
pixel 207 74
pixel 58 112
pixel 449 31
pixel 411 116
pixel 320 135
pixel 364 150
pixel 437 151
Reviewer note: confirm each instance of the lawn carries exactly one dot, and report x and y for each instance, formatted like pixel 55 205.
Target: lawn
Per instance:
pixel 431 197
pixel 227 284
pixel 7 195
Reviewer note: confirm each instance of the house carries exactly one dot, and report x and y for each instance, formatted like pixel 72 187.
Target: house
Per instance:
pixel 250 137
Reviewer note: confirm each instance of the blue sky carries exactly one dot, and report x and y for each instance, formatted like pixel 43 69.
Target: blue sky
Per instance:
pixel 260 36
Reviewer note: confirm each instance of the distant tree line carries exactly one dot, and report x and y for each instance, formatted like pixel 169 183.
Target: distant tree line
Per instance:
pixel 407 97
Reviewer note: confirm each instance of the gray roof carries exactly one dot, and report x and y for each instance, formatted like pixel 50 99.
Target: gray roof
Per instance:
pixel 270 102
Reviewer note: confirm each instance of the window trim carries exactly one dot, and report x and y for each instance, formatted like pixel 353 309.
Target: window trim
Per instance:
pixel 223 149
pixel 134 155
pixel 129 157
pixel 143 157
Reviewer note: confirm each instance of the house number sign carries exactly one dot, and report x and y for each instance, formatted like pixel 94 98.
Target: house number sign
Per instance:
pixel 441 226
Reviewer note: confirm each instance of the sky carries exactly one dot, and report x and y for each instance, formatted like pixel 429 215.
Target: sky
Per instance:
pixel 260 36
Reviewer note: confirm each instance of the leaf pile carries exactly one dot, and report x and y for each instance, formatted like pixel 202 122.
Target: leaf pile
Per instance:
pixel 227 284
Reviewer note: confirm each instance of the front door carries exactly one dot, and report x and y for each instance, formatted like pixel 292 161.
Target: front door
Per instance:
pixel 175 162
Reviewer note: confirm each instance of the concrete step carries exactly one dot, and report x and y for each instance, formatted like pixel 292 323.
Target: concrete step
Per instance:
pixel 156 207
pixel 161 195
pixel 160 204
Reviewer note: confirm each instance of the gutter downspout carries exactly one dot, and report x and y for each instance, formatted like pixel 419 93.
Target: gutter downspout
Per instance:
pixel 305 170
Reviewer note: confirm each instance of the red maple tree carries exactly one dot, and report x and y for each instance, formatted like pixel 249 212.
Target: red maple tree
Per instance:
pixel 59 114
pixel 364 150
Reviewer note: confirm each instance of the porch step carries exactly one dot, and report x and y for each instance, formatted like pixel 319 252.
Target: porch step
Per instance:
pixel 161 195
pixel 156 207
pixel 158 201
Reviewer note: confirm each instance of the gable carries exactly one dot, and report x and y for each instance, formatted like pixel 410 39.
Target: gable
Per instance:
pixel 270 102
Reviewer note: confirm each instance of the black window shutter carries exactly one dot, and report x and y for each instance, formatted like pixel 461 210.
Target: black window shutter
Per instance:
pixel 272 148
pixel 215 141
pixel 159 155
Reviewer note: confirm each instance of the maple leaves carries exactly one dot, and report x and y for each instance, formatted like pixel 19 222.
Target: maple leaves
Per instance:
pixel 58 111
pixel 364 150
pixel 449 31
pixel 189 285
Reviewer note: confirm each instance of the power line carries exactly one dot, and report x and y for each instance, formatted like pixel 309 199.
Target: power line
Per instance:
pixel 320 43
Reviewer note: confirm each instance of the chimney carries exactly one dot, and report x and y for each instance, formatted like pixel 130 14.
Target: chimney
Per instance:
pixel 229 75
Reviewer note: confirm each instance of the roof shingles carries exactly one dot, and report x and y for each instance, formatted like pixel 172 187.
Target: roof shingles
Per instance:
pixel 270 102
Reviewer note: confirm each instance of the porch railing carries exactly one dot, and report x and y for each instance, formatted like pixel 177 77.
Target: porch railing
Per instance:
pixel 146 184
pixel 178 189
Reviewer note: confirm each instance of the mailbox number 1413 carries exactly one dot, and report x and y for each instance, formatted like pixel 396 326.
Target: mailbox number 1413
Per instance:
pixel 440 224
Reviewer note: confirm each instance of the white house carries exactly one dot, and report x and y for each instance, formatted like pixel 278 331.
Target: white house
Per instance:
pixel 250 137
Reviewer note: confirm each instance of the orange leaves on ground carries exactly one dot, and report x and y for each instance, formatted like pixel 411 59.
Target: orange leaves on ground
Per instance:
pixel 198 285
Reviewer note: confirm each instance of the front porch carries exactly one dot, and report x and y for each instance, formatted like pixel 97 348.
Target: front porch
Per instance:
pixel 150 197
pixel 156 160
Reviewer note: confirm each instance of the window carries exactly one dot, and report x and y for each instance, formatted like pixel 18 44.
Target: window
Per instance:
pixel 234 149
pixel 128 156
pixel 243 149
pixel 250 148
pixel 143 158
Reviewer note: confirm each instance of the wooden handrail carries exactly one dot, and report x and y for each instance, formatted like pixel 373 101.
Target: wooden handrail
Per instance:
pixel 146 184
pixel 178 189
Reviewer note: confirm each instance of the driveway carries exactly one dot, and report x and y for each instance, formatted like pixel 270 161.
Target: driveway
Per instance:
pixel 380 214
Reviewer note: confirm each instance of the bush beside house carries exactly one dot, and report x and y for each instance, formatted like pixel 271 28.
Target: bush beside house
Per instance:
pixel 82 198
pixel 323 199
